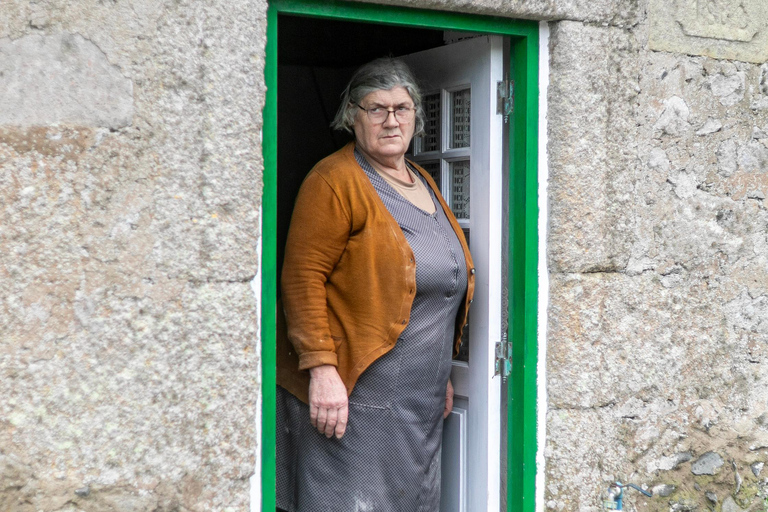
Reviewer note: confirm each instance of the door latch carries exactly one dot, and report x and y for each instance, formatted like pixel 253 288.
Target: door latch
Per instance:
pixel 503 365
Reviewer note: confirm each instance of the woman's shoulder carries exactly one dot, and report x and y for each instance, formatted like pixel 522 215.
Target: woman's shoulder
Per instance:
pixel 339 166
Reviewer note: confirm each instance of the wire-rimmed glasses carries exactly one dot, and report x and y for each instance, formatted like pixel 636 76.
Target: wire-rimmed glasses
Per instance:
pixel 377 115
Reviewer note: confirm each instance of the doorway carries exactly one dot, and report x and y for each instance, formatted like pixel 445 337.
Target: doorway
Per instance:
pixel 313 47
pixel 316 57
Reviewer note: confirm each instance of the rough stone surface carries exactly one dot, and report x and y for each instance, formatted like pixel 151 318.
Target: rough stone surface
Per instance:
pixel 729 505
pixel 61 78
pixel 683 505
pixel 129 229
pixel 707 464
pixel 608 12
pixel 128 240
pixel 658 318
pixel 663 490
pixel 595 142
pixel 720 29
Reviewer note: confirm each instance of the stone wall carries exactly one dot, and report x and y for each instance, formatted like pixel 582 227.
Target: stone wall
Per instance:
pixel 129 198
pixel 658 253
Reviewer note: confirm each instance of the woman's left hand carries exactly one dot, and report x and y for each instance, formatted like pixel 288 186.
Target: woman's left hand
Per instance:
pixel 327 401
pixel 448 399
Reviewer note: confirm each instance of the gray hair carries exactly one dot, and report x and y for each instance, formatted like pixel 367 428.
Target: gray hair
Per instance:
pixel 380 74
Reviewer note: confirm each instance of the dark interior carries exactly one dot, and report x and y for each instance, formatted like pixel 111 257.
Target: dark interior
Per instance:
pixel 316 58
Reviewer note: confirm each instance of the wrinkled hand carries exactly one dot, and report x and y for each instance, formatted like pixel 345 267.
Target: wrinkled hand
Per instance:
pixel 448 399
pixel 327 401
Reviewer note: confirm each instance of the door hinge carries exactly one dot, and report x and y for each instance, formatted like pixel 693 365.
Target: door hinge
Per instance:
pixel 505 98
pixel 503 365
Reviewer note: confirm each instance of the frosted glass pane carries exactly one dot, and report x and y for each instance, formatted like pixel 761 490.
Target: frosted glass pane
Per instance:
pixel 433 168
pixel 431 138
pixel 459 172
pixel 460 113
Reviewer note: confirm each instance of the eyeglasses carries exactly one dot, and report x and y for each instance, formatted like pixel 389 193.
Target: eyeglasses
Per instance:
pixel 378 115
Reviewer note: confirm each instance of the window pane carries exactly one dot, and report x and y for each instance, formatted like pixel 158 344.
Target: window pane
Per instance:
pixel 431 138
pixel 459 173
pixel 433 168
pixel 460 113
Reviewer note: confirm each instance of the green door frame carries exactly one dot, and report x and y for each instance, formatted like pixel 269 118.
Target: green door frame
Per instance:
pixel 523 230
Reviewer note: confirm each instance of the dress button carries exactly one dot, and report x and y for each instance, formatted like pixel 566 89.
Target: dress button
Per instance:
pixel 403 322
pixel 471 301
pixel 472 271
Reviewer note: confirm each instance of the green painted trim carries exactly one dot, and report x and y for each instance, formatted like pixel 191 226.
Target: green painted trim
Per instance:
pixel 269 269
pixel 523 284
pixel 392 15
pixel 523 280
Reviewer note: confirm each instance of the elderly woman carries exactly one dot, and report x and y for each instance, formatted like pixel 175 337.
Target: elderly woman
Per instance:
pixel 376 284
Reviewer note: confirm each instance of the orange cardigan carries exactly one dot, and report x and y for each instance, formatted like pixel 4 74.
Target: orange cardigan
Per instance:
pixel 349 276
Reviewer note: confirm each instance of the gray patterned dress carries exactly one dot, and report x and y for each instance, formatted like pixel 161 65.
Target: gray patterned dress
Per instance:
pixel 389 458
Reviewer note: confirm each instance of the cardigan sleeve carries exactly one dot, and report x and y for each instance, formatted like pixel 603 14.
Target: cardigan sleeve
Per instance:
pixel 317 236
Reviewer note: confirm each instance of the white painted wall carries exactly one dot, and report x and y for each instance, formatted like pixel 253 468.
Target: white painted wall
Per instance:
pixel 256 477
pixel 541 370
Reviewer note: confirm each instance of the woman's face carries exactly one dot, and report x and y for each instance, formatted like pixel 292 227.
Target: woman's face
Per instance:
pixel 388 139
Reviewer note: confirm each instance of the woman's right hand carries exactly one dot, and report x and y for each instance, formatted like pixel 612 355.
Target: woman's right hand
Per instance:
pixel 328 406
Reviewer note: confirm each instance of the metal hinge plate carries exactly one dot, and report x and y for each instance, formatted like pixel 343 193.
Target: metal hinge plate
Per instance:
pixel 503 364
pixel 505 98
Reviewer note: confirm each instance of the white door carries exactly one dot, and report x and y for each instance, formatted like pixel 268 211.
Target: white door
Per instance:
pixel 463 150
